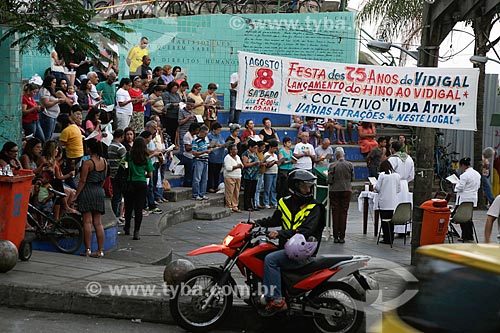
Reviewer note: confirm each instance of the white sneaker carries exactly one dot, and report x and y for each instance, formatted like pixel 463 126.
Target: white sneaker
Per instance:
pixel 267 207
pixel 199 198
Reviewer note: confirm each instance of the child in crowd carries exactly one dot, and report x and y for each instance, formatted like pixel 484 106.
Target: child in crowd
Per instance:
pixel 71 94
pixel 44 196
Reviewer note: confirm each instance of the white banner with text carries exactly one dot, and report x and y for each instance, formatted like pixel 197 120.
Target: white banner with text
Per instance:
pixel 411 96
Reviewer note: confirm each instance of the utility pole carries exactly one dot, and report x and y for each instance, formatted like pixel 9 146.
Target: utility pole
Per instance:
pixel 424 170
pixel 439 18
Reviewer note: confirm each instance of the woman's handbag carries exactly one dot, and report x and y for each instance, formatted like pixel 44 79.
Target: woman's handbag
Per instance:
pixel 123 174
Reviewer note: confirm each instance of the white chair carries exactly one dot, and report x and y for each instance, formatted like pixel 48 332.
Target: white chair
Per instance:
pixel 401 216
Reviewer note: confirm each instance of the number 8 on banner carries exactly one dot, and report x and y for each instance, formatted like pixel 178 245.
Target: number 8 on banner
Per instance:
pixel 263 78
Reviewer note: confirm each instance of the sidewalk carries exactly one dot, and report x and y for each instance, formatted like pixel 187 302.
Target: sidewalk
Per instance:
pixel 64 283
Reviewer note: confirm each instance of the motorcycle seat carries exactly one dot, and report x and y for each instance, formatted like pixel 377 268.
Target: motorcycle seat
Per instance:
pixel 318 263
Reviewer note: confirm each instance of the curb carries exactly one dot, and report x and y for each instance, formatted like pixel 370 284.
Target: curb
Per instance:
pixel 150 309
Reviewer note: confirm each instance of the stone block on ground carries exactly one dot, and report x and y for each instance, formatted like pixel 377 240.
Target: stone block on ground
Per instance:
pixel 211 213
pixel 177 194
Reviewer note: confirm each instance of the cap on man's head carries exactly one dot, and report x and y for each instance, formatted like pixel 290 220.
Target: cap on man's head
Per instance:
pixel 339 151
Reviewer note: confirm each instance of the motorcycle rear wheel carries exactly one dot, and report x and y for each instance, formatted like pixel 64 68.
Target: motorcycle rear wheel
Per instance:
pixel 344 302
pixel 186 306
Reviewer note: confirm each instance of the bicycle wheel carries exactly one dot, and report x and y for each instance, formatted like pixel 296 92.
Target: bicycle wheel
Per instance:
pixel 205 7
pixel 228 8
pixel 309 6
pixel 249 7
pixel 100 4
pixel 445 185
pixel 176 9
pixel 25 250
pixel 132 13
pixel 66 234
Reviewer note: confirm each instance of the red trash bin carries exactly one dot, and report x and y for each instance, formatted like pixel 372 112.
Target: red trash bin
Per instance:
pixel 434 222
pixel 14 196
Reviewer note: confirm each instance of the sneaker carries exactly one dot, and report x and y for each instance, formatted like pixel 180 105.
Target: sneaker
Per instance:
pixel 267 207
pixel 145 212
pixel 274 307
pixel 204 197
pixel 199 198
pixel 194 198
pixel 156 211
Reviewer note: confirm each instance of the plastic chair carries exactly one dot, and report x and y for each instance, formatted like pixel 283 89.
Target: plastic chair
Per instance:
pixel 462 214
pixel 402 215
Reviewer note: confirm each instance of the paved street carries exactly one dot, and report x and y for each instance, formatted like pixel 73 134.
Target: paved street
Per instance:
pixel 69 283
pixel 17 320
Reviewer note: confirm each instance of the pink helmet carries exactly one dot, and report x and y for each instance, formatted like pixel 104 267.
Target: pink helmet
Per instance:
pixel 297 248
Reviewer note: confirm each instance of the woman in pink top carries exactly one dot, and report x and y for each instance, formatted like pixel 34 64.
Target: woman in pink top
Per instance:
pixel 93 123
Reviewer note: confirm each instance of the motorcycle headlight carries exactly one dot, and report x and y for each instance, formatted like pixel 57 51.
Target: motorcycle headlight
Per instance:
pixel 227 240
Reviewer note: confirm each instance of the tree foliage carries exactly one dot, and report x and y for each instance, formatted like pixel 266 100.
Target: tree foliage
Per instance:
pixel 43 24
pixel 397 19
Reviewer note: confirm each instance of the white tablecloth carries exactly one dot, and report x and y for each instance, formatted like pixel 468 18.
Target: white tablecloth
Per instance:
pixel 372 197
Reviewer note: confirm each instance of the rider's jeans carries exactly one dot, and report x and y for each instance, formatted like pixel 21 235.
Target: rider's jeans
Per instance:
pixel 273 263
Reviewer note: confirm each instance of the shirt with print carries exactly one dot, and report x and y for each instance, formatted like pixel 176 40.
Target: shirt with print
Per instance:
pixel 200 145
pixel 304 162
pixel 250 173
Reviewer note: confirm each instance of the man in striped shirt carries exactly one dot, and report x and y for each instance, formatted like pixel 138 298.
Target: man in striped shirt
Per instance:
pixel 200 152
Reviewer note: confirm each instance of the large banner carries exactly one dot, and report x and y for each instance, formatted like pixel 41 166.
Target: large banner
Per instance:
pixel 425 97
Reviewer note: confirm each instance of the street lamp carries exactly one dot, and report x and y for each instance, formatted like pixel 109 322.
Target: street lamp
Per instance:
pixel 383 47
pixel 475 59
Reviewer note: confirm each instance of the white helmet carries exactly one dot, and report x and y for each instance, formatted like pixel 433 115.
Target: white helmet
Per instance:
pixel 298 248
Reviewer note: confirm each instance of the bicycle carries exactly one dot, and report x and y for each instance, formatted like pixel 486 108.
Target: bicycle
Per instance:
pixel 66 234
pixel 445 165
pixel 276 6
pixel 126 9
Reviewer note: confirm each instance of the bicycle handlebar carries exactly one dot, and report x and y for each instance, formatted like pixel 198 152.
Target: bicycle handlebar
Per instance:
pixel 57 193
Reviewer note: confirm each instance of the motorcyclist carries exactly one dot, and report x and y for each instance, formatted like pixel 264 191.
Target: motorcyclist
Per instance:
pixel 297 213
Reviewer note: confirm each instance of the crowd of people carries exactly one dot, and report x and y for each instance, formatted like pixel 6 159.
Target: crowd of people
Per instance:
pixel 139 121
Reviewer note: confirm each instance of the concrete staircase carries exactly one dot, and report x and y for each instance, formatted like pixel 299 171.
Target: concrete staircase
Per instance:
pixel 281 122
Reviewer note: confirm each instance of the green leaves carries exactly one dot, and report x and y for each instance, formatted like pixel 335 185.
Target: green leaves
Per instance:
pixel 42 24
pixel 397 19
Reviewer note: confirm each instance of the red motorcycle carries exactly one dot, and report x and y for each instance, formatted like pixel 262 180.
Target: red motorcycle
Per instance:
pixel 323 290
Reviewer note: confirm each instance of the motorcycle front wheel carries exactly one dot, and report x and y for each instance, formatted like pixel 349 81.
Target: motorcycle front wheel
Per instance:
pixel 343 304
pixel 200 304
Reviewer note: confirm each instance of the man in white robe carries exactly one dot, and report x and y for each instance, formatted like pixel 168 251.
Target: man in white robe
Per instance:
pixel 403 164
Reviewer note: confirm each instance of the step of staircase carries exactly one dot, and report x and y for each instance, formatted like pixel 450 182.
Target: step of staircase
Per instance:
pixel 211 213
pixel 177 194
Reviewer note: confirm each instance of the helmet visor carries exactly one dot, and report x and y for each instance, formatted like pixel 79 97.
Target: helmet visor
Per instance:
pixel 305 187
